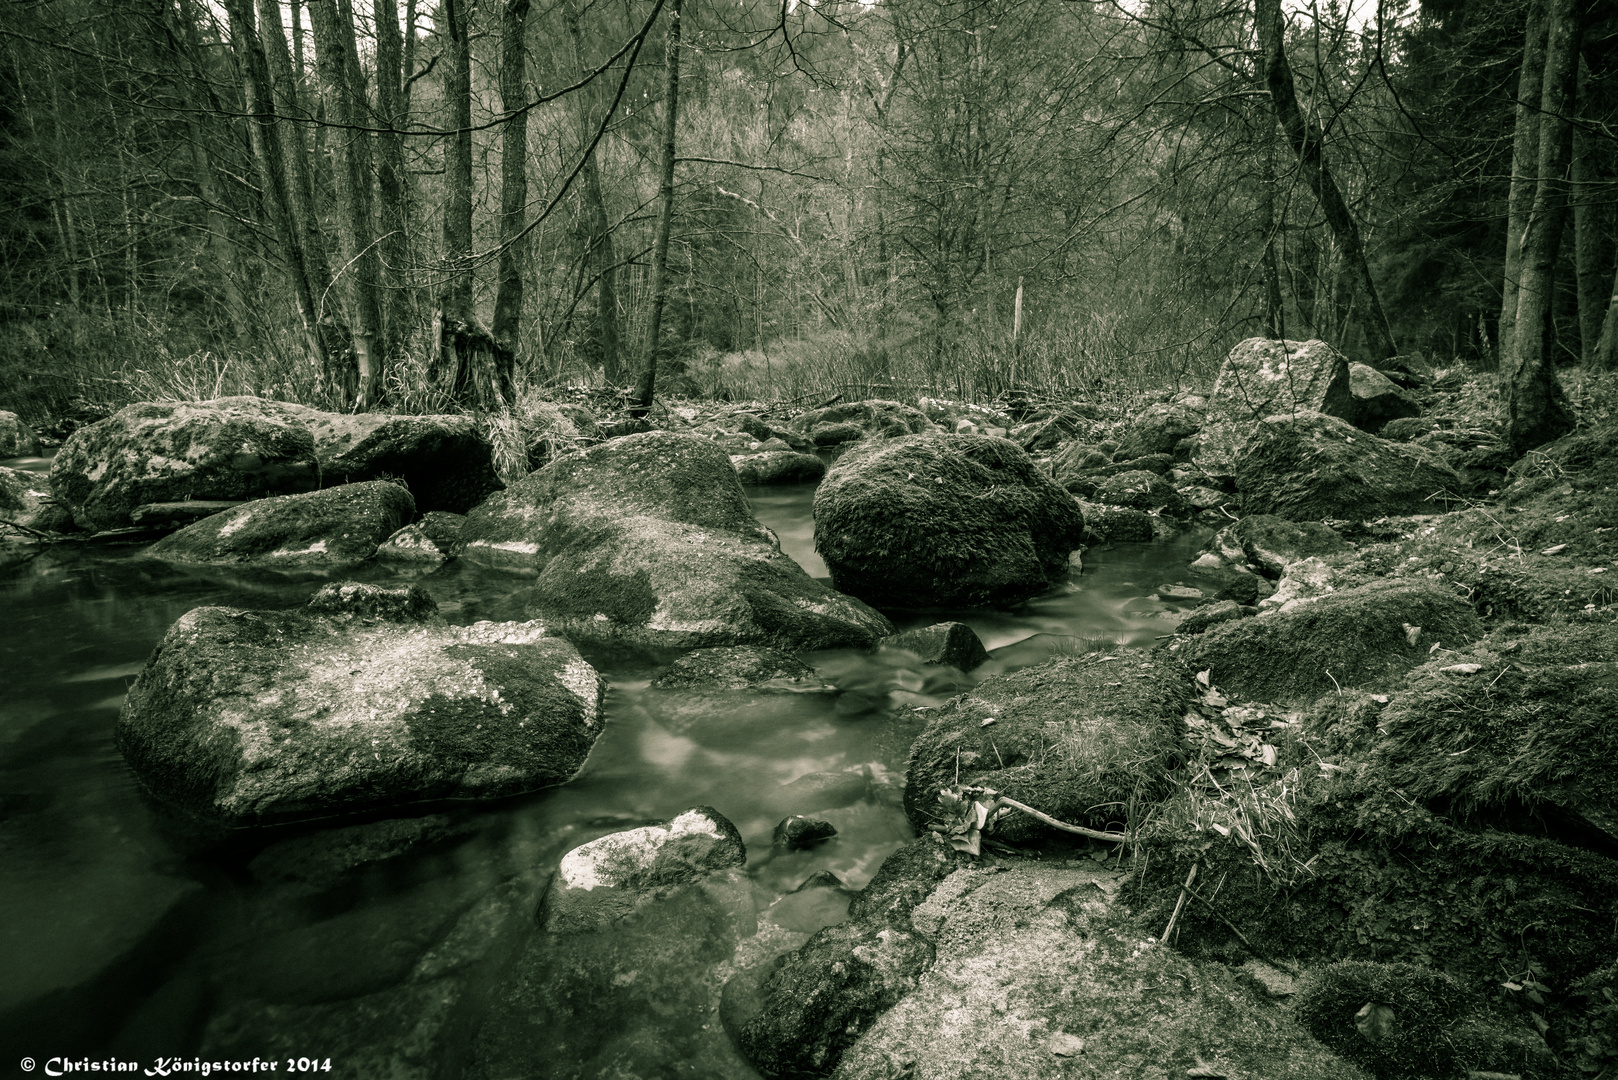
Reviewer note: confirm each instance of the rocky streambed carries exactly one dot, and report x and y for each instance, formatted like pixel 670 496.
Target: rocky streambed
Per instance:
pixel 1277 738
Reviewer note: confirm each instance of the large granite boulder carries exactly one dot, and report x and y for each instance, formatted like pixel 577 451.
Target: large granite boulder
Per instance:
pixel 1262 377
pixel 1354 637
pixel 1077 738
pixel 363 699
pixel 334 527
pixel 838 424
pixel 649 540
pixel 1309 466
pixel 943 520
pixel 155 452
pixel 17 439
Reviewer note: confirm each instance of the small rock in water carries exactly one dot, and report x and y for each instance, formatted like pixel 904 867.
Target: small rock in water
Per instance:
pixel 1178 592
pixel 798 832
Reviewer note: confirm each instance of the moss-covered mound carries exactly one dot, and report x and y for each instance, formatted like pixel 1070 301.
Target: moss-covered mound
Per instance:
pixel 1520 725
pixel 1356 637
pixel 855 420
pixel 1403 1020
pixel 1308 467
pixel 1083 739
pixel 334 527
pixel 934 520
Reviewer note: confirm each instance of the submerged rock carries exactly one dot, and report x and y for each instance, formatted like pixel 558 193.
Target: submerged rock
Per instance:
pixel 798 832
pixel 1311 466
pixel 334 527
pixel 1262 377
pixel 364 699
pixel 649 540
pixel 937 520
pixel 172 451
pixel 738 667
pixel 1077 738
pixel 950 643
pixel 1353 637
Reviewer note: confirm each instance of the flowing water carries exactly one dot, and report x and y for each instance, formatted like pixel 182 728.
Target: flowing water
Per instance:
pixel 121 934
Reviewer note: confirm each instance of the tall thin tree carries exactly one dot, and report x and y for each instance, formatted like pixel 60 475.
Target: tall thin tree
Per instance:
pixel 665 215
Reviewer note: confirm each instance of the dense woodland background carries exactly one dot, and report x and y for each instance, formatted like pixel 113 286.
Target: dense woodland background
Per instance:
pixel 451 203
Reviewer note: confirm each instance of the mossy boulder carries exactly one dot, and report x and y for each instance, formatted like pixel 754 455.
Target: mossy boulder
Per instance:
pixel 778 467
pixel 1405 1020
pixel 427 542
pixel 23 497
pixel 648 540
pixel 334 527
pixel 364 699
pixel 1310 466
pixel 1361 636
pixel 1261 377
pixel 1039 974
pixel 1157 429
pixel 934 520
pixel 1141 490
pixel 835 425
pixel 17 439
pixel 1117 524
pixel 446 462
pixel 954 644
pixel 155 452
pixel 1080 739
pixel 1377 401
pixel 1516 729
pixel 1266 544
pixel 818 1000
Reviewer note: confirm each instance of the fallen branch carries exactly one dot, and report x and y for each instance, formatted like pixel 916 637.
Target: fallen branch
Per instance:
pixel 1178 904
pixel 1080 830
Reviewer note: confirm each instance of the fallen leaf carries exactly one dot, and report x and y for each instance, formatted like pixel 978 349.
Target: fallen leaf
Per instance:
pixel 1412 633
pixel 1220 829
pixel 1267 754
pixel 1554 549
pixel 1215 699
pixel 1463 669
pixel 1374 1021
pixel 1205 677
pixel 1064 1045
pixel 988 721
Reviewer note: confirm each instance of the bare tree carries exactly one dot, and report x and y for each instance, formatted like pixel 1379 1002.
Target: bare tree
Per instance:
pixel 665 214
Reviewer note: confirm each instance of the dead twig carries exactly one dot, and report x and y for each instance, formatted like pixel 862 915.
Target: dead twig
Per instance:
pixel 1179 904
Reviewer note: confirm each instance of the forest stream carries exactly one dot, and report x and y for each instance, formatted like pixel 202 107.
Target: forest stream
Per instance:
pixel 124 936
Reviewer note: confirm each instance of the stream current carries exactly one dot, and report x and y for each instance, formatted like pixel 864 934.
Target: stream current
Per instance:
pixel 120 934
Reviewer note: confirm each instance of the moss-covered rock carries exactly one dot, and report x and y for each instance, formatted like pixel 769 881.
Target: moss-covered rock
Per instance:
pixel 1517 727
pixel 1311 466
pixel 1081 739
pixel 778 467
pixel 1377 400
pixel 1210 615
pixel 1404 1020
pixel 334 527
pixel 1157 429
pixel 648 540
pixel 1267 544
pixel 932 520
pixel 1357 637
pixel 1117 524
pixel 835 425
pixel 172 451
pixel 365 699
pixel 17 439
pixel 22 496
pixel 950 643
pixel 1141 490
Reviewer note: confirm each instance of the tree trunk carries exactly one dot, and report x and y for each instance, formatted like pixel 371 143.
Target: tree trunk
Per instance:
pixel 1309 146
pixel 513 180
pixel 600 254
pixel 665 216
pixel 1536 409
pixel 1606 355
pixel 1524 156
pixel 297 181
pixel 266 150
pixel 392 181
pixel 1590 216
pixel 351 186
